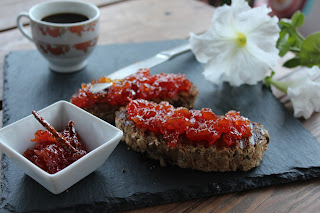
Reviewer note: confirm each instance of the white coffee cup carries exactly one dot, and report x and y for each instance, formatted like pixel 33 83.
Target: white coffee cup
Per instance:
pixel 66 46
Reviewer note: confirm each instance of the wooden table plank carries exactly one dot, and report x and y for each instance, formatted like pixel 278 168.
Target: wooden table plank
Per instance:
pixel 140 21
pixel 10 9
pixel 293 197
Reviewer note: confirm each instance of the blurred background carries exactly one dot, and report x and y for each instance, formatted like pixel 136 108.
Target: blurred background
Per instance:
pixel 285 9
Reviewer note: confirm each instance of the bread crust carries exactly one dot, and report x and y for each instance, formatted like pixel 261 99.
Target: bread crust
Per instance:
pixel 244 155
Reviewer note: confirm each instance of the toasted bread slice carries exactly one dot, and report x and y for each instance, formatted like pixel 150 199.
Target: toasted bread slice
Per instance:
pixel 101 105
pixel 244 155
pixel 107 112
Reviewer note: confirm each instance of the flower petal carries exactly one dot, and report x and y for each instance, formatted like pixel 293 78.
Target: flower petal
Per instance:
pixel 216 76
pixel 305 93
pixel 209 45
pixel 262 34
pixel 249 71
pixel 305 99
pixel 220 64
pixel 225 59
pixel 267 56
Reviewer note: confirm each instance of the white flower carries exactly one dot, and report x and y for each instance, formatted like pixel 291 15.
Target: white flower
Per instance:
pixel 240 45
pixel 305 93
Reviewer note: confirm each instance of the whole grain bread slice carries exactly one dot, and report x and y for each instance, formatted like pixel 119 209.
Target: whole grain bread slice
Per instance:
pixel 107 112
pixel 244 155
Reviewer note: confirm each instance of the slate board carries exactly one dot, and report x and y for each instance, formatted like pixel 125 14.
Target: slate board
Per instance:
pixel 293 153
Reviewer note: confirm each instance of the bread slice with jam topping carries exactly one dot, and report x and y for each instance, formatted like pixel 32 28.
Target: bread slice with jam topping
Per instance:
pixel 195 139
pixel 174 88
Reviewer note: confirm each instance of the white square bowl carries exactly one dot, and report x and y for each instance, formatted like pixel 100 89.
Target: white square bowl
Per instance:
pixel 99 137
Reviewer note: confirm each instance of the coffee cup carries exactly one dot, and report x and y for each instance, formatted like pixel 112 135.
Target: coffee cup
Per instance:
pixel 65 32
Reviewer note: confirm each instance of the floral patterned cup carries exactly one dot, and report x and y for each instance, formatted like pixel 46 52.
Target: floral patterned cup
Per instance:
pixel 65 46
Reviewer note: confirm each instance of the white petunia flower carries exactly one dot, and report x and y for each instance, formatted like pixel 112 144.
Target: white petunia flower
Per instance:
pixel 305 93
pixel 240 45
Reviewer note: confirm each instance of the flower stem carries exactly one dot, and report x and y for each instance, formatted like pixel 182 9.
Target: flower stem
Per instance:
pixel 300 36
pixel 282 86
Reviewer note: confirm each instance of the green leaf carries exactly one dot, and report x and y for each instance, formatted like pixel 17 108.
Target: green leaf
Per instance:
pixel 297 19
pixel 294 62
pixel 285 23
pixel 283 32
pixel 295 49
pixel 283 45
pixel 292 40
pixel 310 50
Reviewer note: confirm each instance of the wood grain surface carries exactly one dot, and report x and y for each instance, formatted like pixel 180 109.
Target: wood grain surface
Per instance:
pixel 9 9
pixel 152 20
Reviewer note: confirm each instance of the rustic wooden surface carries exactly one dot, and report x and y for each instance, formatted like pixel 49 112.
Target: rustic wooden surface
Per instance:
pixel 152 20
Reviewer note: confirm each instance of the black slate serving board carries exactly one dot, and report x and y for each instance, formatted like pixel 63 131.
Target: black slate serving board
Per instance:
pixel 293 153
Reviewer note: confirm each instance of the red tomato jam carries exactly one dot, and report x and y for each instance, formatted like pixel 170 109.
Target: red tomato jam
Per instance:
pixel 49 154
pixel 198 126
pixel 139 85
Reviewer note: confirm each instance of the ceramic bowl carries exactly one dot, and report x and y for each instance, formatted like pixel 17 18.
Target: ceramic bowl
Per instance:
pixel 99 137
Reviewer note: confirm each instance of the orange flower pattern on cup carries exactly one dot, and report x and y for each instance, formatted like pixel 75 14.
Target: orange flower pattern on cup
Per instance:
pixel 59 49
pixel 59 31
pixel 85 45
pixel 52 31
pixel 83 28
pixel 77 30
pixel 54 49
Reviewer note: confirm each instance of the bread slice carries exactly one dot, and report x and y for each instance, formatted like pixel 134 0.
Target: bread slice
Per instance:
pixel 106 111
pixel 244 155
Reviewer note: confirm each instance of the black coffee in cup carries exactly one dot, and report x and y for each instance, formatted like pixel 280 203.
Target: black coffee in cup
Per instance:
pixel 65 18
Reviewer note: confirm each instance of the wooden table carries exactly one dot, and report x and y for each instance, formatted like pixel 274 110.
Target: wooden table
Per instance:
pixel 152 20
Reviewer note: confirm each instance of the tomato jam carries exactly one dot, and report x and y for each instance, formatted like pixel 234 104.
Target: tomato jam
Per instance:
pixel 190 126
pixel 50 155
pixel 139 85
